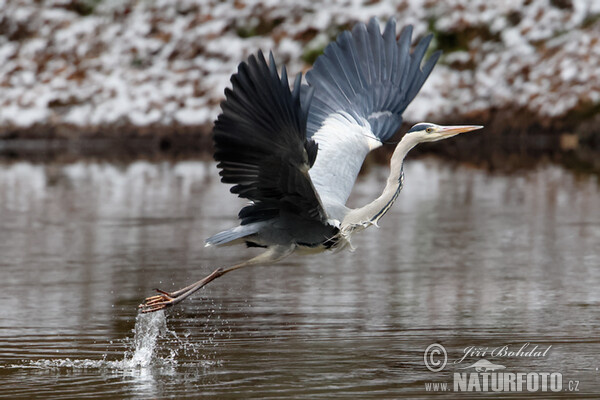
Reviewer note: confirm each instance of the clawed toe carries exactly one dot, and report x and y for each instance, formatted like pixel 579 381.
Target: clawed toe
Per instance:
pixel 168 299
pixel 158 302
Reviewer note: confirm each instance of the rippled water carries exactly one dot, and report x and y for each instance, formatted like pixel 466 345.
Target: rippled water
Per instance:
pixel 465 258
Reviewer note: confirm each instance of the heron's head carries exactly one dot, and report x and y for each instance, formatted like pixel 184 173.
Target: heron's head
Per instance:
pixel 427 132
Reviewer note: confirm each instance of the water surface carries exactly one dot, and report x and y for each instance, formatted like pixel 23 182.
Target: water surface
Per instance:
pixel 464 258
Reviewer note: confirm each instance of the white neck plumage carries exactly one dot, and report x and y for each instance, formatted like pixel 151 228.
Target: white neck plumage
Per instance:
pixel 369 214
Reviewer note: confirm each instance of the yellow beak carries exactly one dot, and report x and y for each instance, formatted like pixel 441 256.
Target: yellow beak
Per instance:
pixel 449 131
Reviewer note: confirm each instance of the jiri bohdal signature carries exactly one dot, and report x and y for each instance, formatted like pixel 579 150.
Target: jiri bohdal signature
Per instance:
pixel 526 350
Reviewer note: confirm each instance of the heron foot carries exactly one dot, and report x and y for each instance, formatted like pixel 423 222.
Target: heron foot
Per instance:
pixel 168 299
pixel 158 302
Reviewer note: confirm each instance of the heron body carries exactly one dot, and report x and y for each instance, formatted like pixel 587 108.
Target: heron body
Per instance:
pixel 295 153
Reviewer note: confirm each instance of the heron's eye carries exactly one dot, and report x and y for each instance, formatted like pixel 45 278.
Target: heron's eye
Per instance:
pixel 429 130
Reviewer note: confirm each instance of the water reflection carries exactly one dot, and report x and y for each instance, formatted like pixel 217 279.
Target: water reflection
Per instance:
pixel 464 258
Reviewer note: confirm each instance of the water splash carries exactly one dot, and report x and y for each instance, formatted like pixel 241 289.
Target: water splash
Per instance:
pixel 143 353
pixel 153 349
pixel 148 329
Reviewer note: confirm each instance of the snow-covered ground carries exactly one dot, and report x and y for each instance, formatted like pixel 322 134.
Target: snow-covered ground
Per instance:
pixel 166 62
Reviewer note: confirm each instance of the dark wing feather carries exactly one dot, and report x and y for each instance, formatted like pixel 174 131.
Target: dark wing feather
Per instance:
pixel 369 75
pixel 261 144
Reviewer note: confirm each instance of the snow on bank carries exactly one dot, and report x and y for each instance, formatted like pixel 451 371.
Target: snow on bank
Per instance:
pixel 165 62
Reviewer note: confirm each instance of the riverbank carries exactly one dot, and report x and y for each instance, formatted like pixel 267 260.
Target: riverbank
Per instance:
pixel 506 152
pixel 148 71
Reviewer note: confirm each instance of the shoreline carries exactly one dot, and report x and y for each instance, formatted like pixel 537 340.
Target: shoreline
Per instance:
pixel 141 68
pixel 494 149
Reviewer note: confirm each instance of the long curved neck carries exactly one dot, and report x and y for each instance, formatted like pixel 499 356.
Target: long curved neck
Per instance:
pixel 370 213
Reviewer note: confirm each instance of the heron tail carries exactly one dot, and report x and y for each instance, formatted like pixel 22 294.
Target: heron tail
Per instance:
pixel 231 236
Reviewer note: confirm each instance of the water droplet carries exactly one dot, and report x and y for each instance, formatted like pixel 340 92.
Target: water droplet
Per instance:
pixel 148 328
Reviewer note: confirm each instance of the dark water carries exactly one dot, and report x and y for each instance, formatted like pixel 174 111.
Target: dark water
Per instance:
pixel 465 258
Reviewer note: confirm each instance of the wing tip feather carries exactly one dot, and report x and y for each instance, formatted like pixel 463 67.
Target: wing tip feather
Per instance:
pixel 392 73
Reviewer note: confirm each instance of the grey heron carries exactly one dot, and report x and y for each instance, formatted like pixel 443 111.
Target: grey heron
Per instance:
pixel 295 153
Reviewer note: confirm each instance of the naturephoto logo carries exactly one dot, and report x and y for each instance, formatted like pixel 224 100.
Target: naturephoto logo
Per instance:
pixel 474 372
pixel 485 366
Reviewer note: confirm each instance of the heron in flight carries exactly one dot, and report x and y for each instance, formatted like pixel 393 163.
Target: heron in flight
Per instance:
pixel 295 154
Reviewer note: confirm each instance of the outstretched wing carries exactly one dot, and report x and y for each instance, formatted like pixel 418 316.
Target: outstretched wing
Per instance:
pixel 261 144
pixel 362 84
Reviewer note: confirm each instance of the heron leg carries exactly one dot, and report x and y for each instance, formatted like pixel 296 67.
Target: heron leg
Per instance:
pixel 169 299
